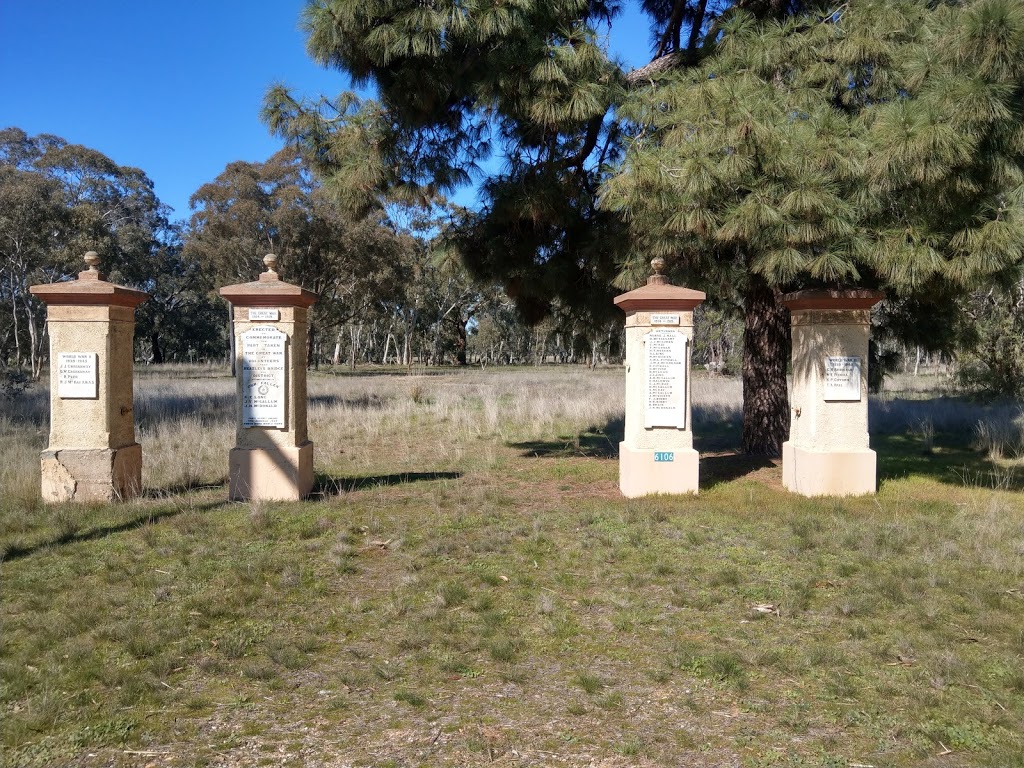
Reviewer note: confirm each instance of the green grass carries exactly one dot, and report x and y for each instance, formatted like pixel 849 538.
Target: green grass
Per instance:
pixel 483 602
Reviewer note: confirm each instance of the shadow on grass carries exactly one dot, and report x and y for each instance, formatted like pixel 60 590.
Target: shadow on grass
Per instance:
pixel 722 468
pixel 17 551
pixel 951 462
pixel 594 442
pixel 326 485
pixel 343 371
pixel 364 403
pixel 179 489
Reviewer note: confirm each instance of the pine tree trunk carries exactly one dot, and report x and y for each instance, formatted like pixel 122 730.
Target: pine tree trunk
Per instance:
pixel 766 344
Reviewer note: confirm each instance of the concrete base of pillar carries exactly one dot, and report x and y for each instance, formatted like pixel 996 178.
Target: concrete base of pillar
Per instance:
pixel 91 474
pixel 271 474
pixel 835 473
pixel 641 475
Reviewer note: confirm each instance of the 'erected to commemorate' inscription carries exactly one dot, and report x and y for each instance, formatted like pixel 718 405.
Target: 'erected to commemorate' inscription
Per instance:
pixel 842 378
pixel 78 375
pixel 665 397
pixel 263 377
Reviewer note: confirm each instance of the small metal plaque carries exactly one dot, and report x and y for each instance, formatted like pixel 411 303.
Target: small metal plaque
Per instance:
pixel 262 313
pixel 660 319
pixel 664 456
pixel 78 375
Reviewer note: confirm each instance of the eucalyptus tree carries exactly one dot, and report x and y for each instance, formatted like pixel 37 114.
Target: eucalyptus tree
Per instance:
pixel 57 201
pixel 277 206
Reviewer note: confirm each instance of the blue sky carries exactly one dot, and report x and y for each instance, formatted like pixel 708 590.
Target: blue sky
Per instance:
pixel 173 88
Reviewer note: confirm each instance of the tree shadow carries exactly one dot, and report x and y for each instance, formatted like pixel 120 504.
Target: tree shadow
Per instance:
pixel 593 442
pixel 17 551
pixel 326 486
pixel 363 403
pixel 950 461
pixel 722 468
pixel 28 408
pixel 179 489
pixel 343 371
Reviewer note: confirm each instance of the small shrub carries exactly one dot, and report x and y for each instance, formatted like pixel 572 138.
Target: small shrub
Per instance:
pixel 13 381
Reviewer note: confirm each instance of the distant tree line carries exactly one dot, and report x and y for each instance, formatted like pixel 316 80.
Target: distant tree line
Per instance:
pixel 393 289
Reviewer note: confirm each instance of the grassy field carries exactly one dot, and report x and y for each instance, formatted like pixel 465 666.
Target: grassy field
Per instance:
pixel 467 587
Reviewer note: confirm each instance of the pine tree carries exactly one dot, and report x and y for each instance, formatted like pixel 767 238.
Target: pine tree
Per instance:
pixel 867 143
pixel 879 144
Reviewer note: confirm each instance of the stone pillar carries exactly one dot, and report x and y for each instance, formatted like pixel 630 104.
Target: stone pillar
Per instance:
pixel 827 452
pixel 92 454
pixel 657 454
pixel 273 457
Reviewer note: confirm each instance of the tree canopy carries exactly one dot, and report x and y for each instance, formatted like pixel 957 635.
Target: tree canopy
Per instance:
pixel 770 145
pixel 876 144
pixel 57 201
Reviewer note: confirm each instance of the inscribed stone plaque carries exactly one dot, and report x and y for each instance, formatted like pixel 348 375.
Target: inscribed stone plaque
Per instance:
pixel 263 377
pixel 664 319
pixel 78 375
pixel 665 397
pixel 842 378
pixel 262 313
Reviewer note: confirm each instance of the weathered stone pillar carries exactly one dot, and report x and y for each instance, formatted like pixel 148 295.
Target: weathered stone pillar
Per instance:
pixel 657 454
pixel 92 453
pixel 273 457
pixel 827 452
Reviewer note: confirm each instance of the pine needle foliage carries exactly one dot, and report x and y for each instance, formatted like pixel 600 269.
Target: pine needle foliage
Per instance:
pixel 875 143
pixel 458 82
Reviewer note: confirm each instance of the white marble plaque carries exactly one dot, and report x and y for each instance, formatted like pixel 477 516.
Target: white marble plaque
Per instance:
pixel 263 377
pixel 665 396
pixel 78 375
pixel 664 319
pixel 262 313
pixel 842 378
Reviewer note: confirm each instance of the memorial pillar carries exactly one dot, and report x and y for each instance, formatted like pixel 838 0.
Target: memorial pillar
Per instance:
pixel 92 454
pixel 273 457
pixel 657 454
pixel 827 453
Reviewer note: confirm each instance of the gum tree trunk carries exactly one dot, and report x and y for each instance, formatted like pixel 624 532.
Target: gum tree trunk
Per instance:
pixel 766 340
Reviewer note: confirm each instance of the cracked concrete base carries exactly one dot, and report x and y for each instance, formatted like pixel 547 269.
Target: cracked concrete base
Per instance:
pixel 91 474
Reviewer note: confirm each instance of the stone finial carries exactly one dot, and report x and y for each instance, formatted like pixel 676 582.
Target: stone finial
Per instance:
pixel 658 278
pixel 93 272
pixel 270 260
